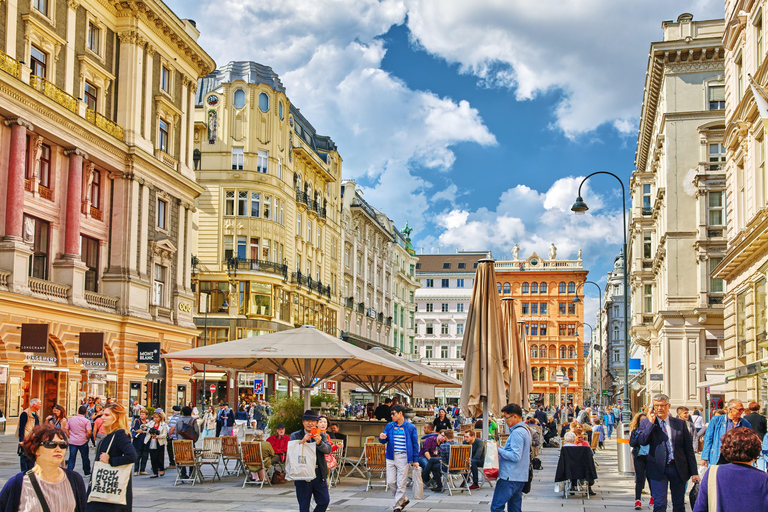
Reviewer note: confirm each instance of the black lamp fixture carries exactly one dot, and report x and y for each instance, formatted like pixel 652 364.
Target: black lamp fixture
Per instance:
pixel 579 207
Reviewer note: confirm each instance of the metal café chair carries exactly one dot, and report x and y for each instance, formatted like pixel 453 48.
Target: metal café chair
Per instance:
pixel 375 462
pixel 466 427
pixel 335 473
pixel 252 457
pixel 211 455
pixel 459 463
pixel 184 452
pixel 361 460
pixel 230 451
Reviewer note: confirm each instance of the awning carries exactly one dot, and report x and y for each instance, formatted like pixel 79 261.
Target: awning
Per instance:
pixel 715 383
pixel 210 376
pixel 49 368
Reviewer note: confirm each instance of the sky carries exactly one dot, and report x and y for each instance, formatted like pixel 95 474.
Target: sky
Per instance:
pixel 475 121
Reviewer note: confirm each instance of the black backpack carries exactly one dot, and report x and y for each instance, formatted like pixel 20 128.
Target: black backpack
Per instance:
pixel 187 431
pixel 536 463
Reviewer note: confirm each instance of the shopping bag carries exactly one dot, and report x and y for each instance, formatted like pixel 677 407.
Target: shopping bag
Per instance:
pixel 301 461
pixel 693 494
pixel 418 484
pixel 330 461
pixel 109 484
pixel 491 463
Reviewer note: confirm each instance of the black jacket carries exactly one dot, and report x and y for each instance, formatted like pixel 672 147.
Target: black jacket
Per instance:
pixel 576 462
pixel 382 412
pixel 321 468
pixel 120 452
pixel 758 423
pixel 682 448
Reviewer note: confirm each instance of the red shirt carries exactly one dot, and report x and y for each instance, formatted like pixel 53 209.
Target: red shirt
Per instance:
pixel 280 444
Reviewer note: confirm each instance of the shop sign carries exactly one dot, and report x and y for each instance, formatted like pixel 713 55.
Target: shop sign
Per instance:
pixel 91 364
pixel 155 371
pixel 91 345
pixel 43 359
pixel 149 352
pixel 34 338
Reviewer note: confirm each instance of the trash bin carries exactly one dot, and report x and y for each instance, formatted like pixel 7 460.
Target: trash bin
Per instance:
pixel 623 451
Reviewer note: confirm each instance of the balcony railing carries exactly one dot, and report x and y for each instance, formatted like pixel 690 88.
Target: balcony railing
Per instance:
pixel 270 267
pixel 10 65
pixel 45 192
pixel 101 301
pixel 388 321
pixel 49 89
pixel 105 124
pixel 311 284
pixel 28 185
pixel 4 278
pixel 96 213
pixel 742 348
pixel 713 233
pixel 349 303
pixel 361 308
pixel 715 300
pixel 647 210
pixel 302 197
pixel 48 288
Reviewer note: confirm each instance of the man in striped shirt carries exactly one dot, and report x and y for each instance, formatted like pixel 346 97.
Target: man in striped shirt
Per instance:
pixel 402 449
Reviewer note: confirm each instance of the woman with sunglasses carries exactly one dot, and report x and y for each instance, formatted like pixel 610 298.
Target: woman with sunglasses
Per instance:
pixel 61 489
pixel 116 449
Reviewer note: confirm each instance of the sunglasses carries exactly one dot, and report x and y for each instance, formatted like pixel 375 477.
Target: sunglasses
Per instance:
pixel 55 444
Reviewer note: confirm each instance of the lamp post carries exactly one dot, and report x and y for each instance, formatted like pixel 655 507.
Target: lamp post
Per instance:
pixel 576 300
pixel 580 208
pixel 224 305
pixel 591 331
pixel 599 349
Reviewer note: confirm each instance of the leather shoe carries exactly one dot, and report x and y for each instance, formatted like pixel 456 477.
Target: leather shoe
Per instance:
pixel 473 487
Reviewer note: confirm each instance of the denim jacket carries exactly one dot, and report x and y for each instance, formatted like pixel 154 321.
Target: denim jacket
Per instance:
pixel 514 456
pixel 715 432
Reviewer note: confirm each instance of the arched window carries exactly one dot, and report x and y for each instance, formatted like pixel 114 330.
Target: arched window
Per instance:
pixel 525 287
pixel 543 351
pixel 507 288
pixel 535 373
pixel 534 351
pixel 542 374
pixel 534 287
pixel 498 287
pixel 562 351
pixel 615 333
pixel 571 352
pixel 561 288
pixel 570 374
pixel 571 287
pixel 552 351
pixel 543 288
pixel 263 102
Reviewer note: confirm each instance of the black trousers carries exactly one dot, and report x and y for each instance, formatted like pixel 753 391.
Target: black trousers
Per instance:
pixel 640 476
pixel 169 447
pixel 306 490
pixel 157 456
pixel 142 455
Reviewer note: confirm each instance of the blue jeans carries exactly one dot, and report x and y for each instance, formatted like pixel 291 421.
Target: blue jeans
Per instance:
pixel 305 490
pixel 610 430
pixel 671 480
pixel 83 449
pixel 509 495
pixel 432 468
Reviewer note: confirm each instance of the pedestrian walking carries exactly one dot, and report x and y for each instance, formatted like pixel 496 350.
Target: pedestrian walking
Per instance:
pixel 717 427
pixel 402 442
pixel 316 488
pixel 139 432
pixel 58 417
pixel 639 460
pixel 209 423
pixel 172 435
pixel 79 429
pixel 116 449
pixel 740 487
pixel 61 489
pixel 155 441
pixel 97 427
pixel 671 461
pixel 756 419
pixel 608 419
pixel 28 420
pixel 227 418
pixel 514 459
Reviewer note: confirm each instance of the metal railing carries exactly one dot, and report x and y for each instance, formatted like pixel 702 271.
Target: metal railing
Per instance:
pixel 105 124
pixel 311 284
pixel 61 97
pixel 270 267
pixel 349 303
pixel 647 210
pixel 10 65
pixel 302 197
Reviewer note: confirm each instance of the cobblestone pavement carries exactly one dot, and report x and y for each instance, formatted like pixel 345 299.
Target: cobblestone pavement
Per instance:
pixel 614 491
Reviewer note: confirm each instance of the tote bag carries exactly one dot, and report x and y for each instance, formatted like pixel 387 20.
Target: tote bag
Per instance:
pixel 418 484
pixel 301 461
pixel 109 484
pixel 491 463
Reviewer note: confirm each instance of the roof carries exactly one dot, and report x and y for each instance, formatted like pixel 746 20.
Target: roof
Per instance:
pixel 248 71
pixel 431 263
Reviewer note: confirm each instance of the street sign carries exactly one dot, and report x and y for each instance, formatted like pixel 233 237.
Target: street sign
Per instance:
pixel 187 368
pixel 605 391
pixel 258 387
pixel 213 388
pixel 657 376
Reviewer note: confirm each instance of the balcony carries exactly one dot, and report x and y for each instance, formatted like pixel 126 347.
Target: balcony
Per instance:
pixel 96 213
pixel 302 201
pixel 166 159
pixel 742 348
pixel 45 192
pixel 361 308
pixel 105 124
pixel 49 89
pixel 4 275
pixel 715 300
pixel 349 303
pixel 647 210
pixel 10 65
pixel 388 321
pixel 101 301
pixel 714 233
pixel 311 284
pixel 48 289
pixel 269 267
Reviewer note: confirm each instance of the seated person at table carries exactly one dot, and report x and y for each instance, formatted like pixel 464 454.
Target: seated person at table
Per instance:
pixel 267 452
pixel 572 439
pixel 551 430
pixel 569 439
pixel 478 456
pixel 334 433
pixel 429 460
pixel 429 431
pixel 279 442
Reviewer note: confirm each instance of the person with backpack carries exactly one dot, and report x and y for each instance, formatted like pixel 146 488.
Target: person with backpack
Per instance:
pixel 186 429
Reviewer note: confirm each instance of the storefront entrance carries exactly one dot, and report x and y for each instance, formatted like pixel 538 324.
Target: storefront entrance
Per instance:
pixel 156 385
pixel 44 378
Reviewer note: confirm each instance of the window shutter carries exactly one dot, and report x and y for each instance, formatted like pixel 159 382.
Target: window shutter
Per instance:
pixel 717 93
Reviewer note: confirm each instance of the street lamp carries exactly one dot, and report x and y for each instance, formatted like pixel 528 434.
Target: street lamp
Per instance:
pixel 580 208
pixel 591 333
pixel 224 306
pixel 599 317
pixel 599 349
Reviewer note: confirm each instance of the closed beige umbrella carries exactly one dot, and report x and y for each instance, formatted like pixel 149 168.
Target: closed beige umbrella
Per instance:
pixel 521 385
pixel 484 349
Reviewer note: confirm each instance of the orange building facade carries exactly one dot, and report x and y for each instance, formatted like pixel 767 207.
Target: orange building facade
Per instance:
pixel 543 290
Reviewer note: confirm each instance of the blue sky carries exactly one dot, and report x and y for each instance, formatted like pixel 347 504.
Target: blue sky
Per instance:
pixel 473 121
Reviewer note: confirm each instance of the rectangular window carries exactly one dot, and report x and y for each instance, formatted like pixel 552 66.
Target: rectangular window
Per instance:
pixel 443 329
pixel 45 166
pixel 712 348
pixel 561 329
pixel 162 139
pixel 444 307
pixel 41 5
pixel 534 329
pixel 761 185
pixel 262 161
pixel 430 328
pixel 715 210
pixel 428 352
pixel 242 204
pixel 571 308
pixel 242 247
pixel 298 224
pixel 229 251
pixel 309 231
pixel 741 314
pixel 229 203
pixel 571 331
pixel 647 245
pixel 739 77
pixel 267 206
pixel 562 308
pixel 460 307
pixel 760 305
pixel 255 204
pixel 524 308
pixel 158 288
pixel 534 308
pixel 459 283
pixel 39 61
pixel 716 155
pixel 90 95
pixel 647 207
pixel 430 307
pixel 238 158
pixel 93 37
pixel 89 248
pixel 37 233
pixel 716 97
pixel 319 237
pixel 648 298
pixel 254 248
pixel 542 329
pixel 444 352
pixel 445 283
pixel 446 266
pixel 543 308
pixel 430 283
pixel 279 168
pixel 165 79
pixel 759 41
pixel 460 331
pixel 161 214
pixel 96 190
pixel 715 285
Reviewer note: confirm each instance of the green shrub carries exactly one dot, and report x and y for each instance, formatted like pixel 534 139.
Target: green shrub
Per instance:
pixel 289 410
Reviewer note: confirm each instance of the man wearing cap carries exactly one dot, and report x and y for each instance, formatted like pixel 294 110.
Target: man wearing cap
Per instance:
pixel 172 435
pixel 318 487
pixel 227 418
pixel 402 449
pixel 279 442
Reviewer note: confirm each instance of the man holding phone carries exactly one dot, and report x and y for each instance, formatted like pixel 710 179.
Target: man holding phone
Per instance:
pixel 402 442
pixel 318 487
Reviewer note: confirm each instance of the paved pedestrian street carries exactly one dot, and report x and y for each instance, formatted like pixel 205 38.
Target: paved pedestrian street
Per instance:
pixel 614 492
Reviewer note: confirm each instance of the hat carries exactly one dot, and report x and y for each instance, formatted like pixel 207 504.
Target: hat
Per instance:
pixel 310 415
pixel 280 426
pixel 176 408
pixel 222 404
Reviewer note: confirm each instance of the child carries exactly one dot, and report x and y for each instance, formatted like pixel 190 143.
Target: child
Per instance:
pixel 600 430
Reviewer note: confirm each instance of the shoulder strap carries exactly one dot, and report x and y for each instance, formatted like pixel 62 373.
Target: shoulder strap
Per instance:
pixel 38 491
pixel 712 488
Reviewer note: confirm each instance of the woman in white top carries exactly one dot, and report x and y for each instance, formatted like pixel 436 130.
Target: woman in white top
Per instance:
pixel 209 423
pixel 157 439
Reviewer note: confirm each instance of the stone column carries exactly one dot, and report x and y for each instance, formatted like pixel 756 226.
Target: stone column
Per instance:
pixel 74 203
pixel 14 215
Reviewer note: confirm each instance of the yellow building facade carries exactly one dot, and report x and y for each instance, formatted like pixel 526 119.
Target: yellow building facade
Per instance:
pixel 267 253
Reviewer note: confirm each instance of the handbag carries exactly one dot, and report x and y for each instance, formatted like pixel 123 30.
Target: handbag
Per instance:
pixel 301 461
pixel 109 483
pixel 418 484
pixel 693 495
pixel 491 462
pixel 38 491
pixel 330 461
pixel 188 431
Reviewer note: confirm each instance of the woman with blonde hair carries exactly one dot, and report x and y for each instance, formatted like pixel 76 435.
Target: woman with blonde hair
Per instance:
pixel 116 449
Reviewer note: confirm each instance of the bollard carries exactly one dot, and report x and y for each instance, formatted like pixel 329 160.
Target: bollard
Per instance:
pixel 623 451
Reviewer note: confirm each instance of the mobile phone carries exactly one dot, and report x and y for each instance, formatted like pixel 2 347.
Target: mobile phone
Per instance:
pixel 314 431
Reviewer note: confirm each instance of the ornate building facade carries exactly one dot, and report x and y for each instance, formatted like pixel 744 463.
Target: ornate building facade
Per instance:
pixel 676 235
pixel 97 200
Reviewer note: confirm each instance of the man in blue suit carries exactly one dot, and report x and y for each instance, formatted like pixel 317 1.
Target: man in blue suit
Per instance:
pixel 671 460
